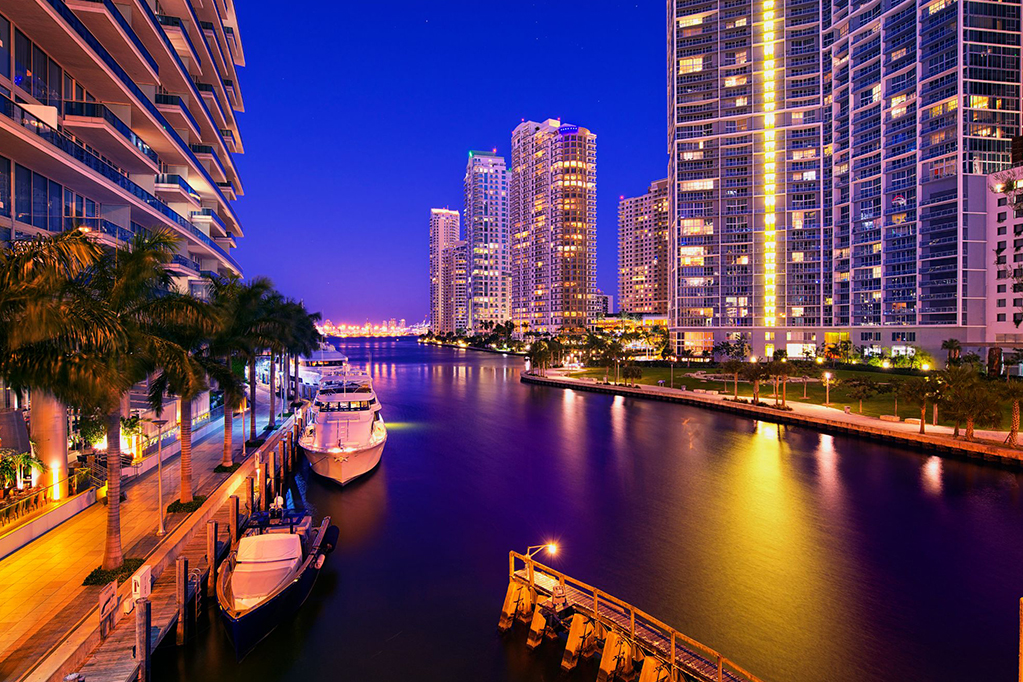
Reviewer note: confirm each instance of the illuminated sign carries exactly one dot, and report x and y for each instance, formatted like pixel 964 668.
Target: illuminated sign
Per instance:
pixel 568 130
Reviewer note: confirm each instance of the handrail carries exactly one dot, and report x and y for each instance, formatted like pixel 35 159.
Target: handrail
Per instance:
pixel 46 491
pixel 660 628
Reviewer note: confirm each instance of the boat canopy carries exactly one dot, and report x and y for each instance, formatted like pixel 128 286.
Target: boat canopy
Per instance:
pixel 271 547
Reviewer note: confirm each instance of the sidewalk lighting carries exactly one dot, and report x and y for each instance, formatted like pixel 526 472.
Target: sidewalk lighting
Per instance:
pixel 827 388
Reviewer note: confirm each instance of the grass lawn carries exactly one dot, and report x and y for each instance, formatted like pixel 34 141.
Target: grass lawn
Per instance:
pixel 874 407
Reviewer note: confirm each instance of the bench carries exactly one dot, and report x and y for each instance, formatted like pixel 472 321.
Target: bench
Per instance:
pixel 891 418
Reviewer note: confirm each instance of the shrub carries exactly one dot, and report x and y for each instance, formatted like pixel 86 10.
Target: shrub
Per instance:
pixel 101 577
pixel 188 507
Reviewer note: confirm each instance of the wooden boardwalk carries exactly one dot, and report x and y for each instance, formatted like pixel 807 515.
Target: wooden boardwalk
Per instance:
pixel 114 660
pixel 677 656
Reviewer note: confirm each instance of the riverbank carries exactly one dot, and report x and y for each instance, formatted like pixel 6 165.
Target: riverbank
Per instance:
pixel 937 439
pixel 479 348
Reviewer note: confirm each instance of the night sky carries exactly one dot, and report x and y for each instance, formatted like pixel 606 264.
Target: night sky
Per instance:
pixel 360 116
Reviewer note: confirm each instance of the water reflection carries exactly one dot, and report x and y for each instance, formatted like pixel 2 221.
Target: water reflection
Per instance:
pixel 803 556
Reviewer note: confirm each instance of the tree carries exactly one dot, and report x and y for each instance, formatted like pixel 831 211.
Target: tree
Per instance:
pixel 539 356
pixel 957 383
pixel 755 372
pixel 982 407
pixel 734 367
pixel 1013 392
pixel 633 373
pixel 861 389
pixel 686 354
pixel 917 392
pixel 954 350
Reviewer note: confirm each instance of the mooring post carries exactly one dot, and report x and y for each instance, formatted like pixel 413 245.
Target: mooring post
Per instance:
pixel 280 456
pixel 250 496
pixel 262 486
pixel 212 528
pixel 181 589
pixel 232 512
pixel 143 641
pixel 272 473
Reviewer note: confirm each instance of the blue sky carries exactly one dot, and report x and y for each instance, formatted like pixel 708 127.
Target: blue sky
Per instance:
pixel 360 115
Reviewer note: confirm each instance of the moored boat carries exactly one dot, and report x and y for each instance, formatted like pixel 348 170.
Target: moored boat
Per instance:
pixel 271 573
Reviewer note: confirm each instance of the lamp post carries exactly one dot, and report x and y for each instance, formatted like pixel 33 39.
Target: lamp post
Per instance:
pixel 159 472
pixel 671 381
pixel 532 551
pixel 244 405
pixel 827 388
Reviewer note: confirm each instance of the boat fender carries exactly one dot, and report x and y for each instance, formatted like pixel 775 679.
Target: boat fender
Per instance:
pixel 330 539
pixel 319 561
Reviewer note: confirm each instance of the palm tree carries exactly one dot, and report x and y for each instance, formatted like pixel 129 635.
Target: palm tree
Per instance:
pixel 982 407
pixel 734 367
pixel 954 350
pixel 755 372
pixel 957 385
pixel 861 389
pixel 917 392
pixel 46 319
pixel 136 290
pixel 1013 392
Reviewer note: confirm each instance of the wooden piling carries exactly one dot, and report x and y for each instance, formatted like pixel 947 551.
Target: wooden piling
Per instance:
pixel 283 460
pixel 143 639
pixel 271 473
pixel 232 511
pixel 181 591
pixel 212 528
pixel 250 496
pixel 261 505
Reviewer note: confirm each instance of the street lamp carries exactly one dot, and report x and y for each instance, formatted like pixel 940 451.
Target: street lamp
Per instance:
pixel 159 473
pixel 671 358
pixel 533 550
pixel 827 388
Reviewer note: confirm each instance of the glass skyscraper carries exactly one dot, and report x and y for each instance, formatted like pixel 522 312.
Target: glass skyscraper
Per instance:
pixel 828 166
pixel 488 241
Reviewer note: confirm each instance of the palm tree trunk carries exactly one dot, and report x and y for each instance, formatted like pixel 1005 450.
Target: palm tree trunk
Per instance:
pixel 896 405
pixel 186 450
pixel 736 386
pixel 49 433
pixel 273 397
pixel 969 429
pixel 784 392
pixel 113 556
pixel 228 458
pixel 252 398
pixel 1014 430
pixel 923 417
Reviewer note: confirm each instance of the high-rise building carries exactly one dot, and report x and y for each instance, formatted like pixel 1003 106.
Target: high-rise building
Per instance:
pixel 828 166
pixel 553 223
pixel 488 239
pixel 457 273
pixel 444 229
pixel 118 121
pixel 643 251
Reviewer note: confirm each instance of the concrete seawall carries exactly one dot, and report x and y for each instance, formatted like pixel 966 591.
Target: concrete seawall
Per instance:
pixel 939 444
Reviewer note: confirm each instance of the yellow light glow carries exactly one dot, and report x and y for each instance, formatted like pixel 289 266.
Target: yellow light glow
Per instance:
pixel 552 548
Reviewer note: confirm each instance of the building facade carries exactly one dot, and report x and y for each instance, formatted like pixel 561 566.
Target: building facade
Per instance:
pixel 118 121
pixel 828 166
pixel 444 232
pixel 488 240
pixel 643 251
pixel 553 224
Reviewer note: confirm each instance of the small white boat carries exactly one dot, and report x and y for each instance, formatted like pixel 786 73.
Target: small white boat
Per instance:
pixel 345 436
pixel 268 577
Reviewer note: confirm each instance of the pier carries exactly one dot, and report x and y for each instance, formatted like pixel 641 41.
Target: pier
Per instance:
pixel 628 640
pixel 110 645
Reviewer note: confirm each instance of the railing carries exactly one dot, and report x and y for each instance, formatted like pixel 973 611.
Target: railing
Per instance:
pixel 130 32
pixel 176 100
pixel 77 481
pixel 96 110
pixel 170 179
pixel 177 23
pixel 644 629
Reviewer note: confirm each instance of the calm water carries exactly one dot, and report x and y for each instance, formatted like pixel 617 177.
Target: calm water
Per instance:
pixel 799 555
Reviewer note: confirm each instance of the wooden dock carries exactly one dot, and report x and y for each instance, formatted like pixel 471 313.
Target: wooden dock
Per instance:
pixel 115 660
pixel 627 639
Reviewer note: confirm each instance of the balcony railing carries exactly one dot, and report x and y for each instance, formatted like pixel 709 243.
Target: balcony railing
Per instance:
pixel 96 110
pixel 169 179
pixel 130 32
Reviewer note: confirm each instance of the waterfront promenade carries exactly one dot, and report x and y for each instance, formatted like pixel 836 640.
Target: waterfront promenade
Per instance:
pixel 988 444
pixel 41 591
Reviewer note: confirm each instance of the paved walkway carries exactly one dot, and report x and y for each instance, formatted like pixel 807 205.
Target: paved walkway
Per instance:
pixel 808 409
pixel 41 592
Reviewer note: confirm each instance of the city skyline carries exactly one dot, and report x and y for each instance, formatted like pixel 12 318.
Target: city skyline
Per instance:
pixel 352 231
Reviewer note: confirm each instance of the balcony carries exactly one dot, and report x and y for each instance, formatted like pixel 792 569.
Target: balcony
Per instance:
pixel 107 23
pixel 209 95
pixel 208 156
pixel 175 188
pixel 209 217
pixel 175 29
pixel 176 112
pixel 69 163
pixel 184 265
pixel 96 124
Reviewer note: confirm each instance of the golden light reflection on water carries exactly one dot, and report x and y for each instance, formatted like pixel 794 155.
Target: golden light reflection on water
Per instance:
pixel 827 468
pixel 767 556
pixel 931 472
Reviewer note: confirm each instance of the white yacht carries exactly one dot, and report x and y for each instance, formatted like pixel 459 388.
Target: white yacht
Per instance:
pixel 324 361
pixel 345 435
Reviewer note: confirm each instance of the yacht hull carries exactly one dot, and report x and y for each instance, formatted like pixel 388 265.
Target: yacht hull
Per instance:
pixel 344 467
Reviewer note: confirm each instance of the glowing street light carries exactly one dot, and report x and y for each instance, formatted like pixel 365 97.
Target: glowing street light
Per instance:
pixel 827 388
pixel 533 550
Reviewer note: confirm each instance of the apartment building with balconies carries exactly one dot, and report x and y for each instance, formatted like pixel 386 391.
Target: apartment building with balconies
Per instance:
pixel 553 211
pixel 488 240
pixel 643 251
pixel 828 166
pixel 120 119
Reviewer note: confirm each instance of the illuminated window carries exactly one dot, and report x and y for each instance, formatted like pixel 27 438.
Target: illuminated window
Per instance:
pixel 695 185
pixel 690 65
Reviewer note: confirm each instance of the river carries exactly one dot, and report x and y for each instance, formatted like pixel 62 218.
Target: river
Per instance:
pixel 801 556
